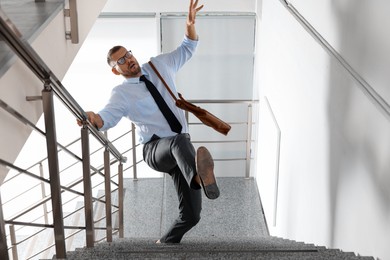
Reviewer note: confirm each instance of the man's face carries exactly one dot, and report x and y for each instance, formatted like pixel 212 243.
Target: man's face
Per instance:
pixel 130 68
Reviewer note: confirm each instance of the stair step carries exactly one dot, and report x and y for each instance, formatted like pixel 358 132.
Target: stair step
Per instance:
pixel 237 248
pixel 225 239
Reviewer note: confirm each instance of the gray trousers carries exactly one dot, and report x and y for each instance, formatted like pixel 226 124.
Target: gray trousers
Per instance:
pixel 176 156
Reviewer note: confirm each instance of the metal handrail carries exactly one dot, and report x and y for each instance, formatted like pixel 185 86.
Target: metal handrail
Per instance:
pixel 51 84
pixel 24 120
pixel 367 89
pixel 248 122
pixel 34 62
pixel 78 159
pixel 64 148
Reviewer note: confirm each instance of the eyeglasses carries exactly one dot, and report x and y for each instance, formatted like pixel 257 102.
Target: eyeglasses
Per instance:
pixel 122 60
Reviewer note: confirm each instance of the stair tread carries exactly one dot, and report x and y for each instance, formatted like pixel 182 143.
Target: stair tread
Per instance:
pixel 235 248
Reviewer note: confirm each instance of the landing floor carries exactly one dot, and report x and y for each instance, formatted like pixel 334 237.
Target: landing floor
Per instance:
pixel 151 205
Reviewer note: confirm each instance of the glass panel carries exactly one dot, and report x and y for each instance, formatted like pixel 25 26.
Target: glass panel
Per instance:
pixel 222 67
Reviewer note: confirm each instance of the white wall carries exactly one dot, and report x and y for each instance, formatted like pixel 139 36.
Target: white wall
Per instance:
pixel 333 179
pixel 18 82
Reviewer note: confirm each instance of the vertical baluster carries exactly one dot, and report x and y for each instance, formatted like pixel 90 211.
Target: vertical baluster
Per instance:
pixel 134 152
pixel 107 178
pixel 55 186
pixel 248 142
pixel 12 234
pixel 120 199
pixel 3 236
pixel 43 191
pixel 187 116
pixel 88 204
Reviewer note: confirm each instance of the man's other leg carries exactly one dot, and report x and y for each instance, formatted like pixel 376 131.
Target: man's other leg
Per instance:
pixel 190 206
pixel 176 156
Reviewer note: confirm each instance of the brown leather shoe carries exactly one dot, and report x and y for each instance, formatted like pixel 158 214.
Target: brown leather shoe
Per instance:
pixel 205 169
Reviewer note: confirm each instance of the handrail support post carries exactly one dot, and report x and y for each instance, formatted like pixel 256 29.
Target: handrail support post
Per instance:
pixel 73 34
pixel 107 181
pixel 3 235
pixel 88 204
pixel 134 150
pixel 12 234
pixel 52 155
pixel 120 199
pixel 249 142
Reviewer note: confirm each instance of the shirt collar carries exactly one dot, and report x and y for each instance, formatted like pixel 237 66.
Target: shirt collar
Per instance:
pixel 135 80
pixel 132 80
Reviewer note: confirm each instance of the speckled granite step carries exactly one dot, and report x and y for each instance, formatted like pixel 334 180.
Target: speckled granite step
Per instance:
pixel 235 248
pixel 240 234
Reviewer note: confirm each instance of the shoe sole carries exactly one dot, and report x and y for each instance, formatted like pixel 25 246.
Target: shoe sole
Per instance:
pixel 205 169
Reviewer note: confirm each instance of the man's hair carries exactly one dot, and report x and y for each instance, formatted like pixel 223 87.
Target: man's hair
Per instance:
pixel 112 51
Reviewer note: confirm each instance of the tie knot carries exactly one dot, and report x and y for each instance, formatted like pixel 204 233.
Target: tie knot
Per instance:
pixel 143 78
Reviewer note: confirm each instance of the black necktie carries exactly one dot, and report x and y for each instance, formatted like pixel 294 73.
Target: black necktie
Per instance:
pixel 166 111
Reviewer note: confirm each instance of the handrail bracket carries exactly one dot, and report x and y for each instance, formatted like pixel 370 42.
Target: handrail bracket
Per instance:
pixel 73 34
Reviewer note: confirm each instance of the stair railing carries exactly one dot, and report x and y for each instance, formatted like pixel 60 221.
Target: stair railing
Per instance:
pixel 52 86
pixel 67 149
pixel 248 122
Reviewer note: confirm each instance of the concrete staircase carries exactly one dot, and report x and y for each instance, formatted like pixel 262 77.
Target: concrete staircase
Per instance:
pixel 232 227
pixel 211 248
